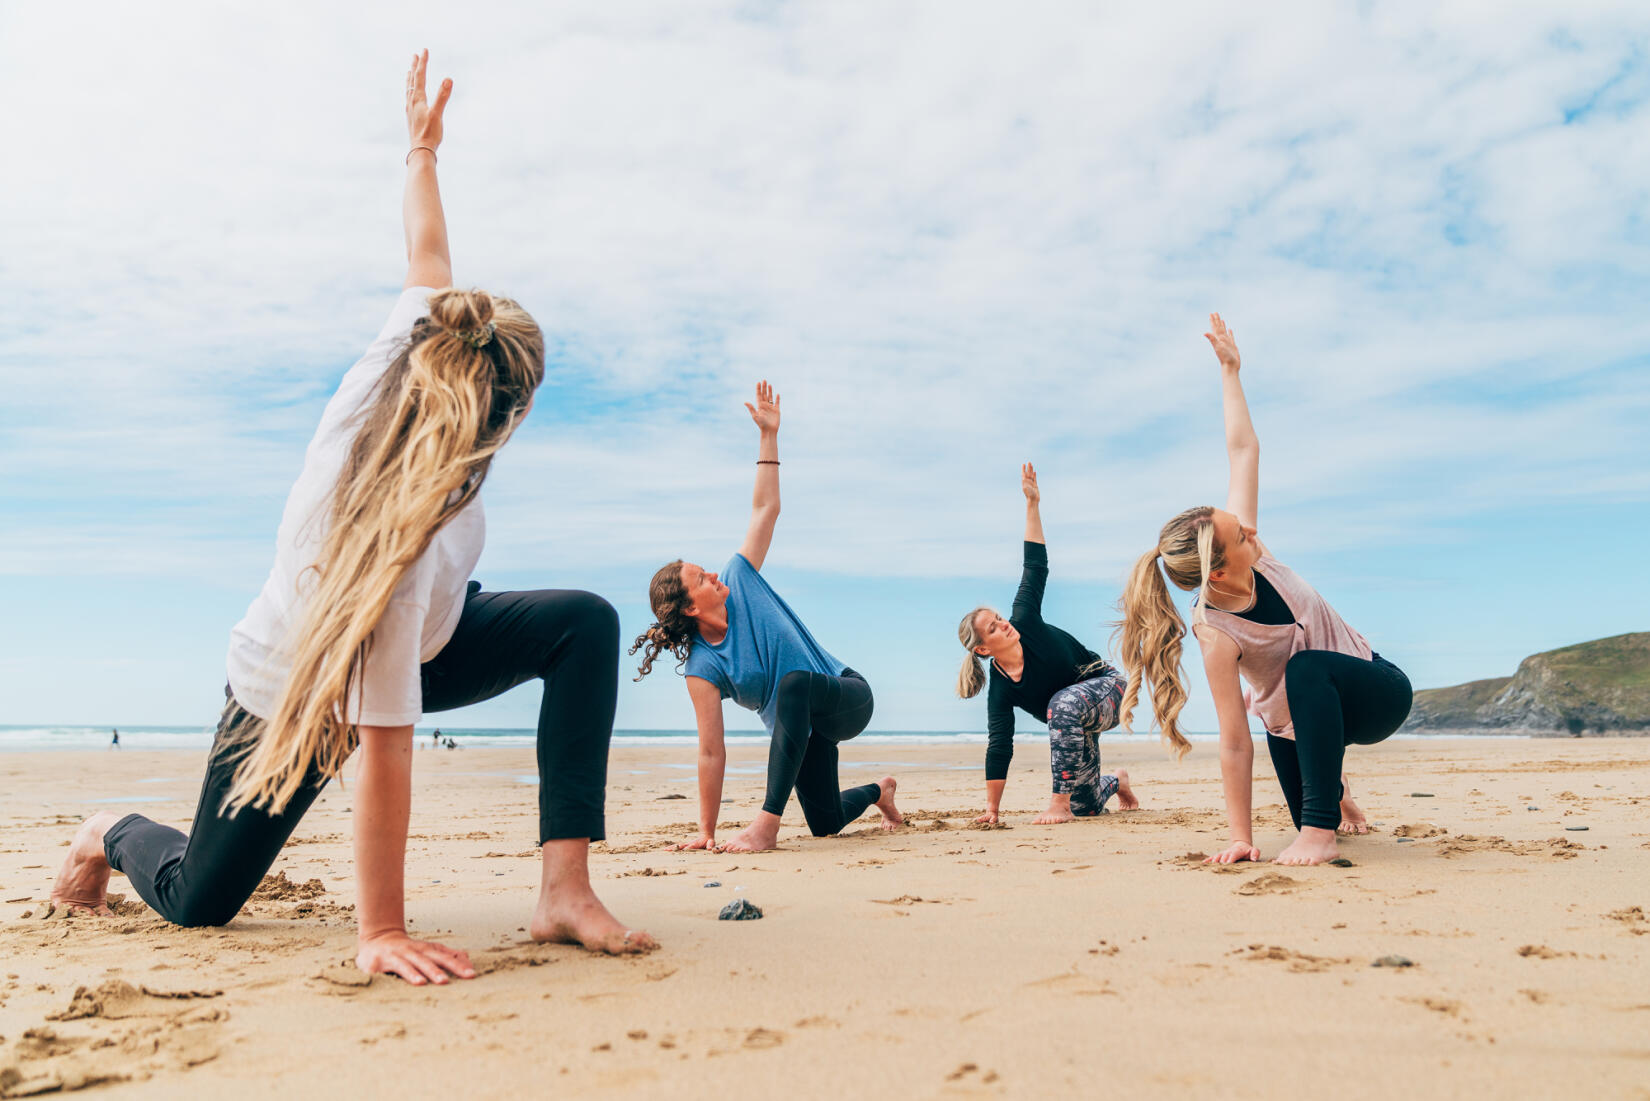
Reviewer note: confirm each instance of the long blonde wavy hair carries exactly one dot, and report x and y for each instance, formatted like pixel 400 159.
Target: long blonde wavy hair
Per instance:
pixel 450 399
pixel 1150 634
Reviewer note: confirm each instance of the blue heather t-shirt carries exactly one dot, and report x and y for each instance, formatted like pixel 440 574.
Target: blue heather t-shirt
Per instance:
pixel 765 641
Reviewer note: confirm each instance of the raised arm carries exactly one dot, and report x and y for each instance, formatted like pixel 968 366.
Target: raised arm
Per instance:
pixel 1242 445
pixel 765 498
pixel 713 759
pixel 1237 748
pixel 1034 512
pixel 428 262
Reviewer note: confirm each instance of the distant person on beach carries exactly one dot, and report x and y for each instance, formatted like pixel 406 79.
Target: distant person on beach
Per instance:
pixel 1052 677
pixel 435 739
pixel 1312 680
pixel 368 619
pixel 737 639
pixel 114 742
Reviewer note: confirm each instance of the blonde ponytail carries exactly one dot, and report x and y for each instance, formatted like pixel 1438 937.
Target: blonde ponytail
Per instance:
pixel 448 401
pixel 972 676
pixel 1150 635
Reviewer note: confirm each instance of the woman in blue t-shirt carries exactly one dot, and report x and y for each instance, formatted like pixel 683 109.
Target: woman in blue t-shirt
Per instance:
pixel 738 640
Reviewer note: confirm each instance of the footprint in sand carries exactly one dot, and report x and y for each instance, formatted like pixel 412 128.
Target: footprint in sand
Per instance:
pixel 1633 918
pixel 115 1032
pixel 1270 883
pixel 1297 961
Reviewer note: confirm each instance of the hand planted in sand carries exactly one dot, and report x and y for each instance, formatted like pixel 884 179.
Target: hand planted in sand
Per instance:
pixel 417 961
pixel 706 841
pixel 1234 853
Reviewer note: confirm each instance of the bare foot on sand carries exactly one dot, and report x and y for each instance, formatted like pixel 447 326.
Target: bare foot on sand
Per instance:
pixel 1352 815
pixel 760 836
pixel 83 881
pixel 569 912
pixel 1059 810
pixel 1126 798
pixel 1313 846
pixel 892 819
pixel 586 922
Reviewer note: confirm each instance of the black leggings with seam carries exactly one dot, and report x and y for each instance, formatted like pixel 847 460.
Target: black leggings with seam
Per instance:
pixel 570 639
pixel 1335 700
pixel 815 713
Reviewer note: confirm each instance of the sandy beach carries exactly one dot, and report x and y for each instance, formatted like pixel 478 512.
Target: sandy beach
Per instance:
pixel 937 961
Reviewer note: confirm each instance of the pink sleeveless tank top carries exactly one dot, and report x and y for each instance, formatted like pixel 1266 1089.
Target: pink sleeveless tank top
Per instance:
pixel 1264 649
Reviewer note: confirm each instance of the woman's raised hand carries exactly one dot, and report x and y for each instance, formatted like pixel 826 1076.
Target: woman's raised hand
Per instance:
pixel 1224 342
pixel 423 118
pixel 766 410
pixel 1028 483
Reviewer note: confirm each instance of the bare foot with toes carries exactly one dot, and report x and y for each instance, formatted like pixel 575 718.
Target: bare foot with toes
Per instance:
pixel 1313 846
pixel 582 919
pixel 760 836
pixel 1059 810
pixel 1352 815
pixel 82 882
pixel 892 819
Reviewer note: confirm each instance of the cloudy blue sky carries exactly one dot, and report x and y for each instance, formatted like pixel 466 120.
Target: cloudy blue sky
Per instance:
pixel 956 237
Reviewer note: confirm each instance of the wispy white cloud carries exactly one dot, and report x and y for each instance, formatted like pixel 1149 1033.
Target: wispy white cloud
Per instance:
pixel 953 240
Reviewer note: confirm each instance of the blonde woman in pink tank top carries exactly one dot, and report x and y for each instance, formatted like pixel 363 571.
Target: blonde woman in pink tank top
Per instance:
pixel 1270 645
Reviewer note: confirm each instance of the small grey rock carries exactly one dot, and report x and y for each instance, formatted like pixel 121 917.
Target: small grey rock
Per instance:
pixel 1405 840
pixel 1532 806
pixel 1420 795
pixel 714 883
pixel 1393 961
pixel 1342 862
pixel 672 795
pixel 740 909
pixel 1576 829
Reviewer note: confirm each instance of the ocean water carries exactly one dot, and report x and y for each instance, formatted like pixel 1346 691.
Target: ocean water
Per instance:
pixel 37 737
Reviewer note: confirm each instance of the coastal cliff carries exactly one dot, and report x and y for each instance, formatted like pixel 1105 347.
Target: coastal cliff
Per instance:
pixel 1600 687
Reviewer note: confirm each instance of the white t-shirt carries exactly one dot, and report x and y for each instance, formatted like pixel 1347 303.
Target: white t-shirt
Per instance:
pixel 424 609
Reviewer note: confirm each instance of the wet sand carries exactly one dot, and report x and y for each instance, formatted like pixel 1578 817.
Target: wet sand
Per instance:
pixel 936 961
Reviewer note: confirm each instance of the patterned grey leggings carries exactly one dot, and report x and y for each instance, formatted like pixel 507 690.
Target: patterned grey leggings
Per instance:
pixel 1076 716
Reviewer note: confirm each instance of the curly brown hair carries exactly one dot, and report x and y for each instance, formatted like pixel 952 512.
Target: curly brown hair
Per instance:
pixel 674 630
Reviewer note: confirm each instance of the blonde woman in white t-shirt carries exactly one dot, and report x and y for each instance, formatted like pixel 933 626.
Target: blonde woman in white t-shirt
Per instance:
pixel 368 619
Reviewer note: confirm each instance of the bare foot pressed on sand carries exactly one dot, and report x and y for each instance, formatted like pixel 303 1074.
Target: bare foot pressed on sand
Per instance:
pixel 572 918
pixel 892 819
pixel 82 882
pixel 1313 846
pixel 1059 810
pixel 1352 815
pixel 760 836
pixel 1126 798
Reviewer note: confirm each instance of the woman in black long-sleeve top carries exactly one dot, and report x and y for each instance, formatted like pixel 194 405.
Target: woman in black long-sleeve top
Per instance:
pixel 1050 676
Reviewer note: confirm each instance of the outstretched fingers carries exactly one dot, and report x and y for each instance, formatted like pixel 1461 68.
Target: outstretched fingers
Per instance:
pixel 441 98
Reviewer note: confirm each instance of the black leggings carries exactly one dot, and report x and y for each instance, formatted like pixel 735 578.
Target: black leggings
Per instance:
pixel 815 712
pixel 1335 700
pixel 568 638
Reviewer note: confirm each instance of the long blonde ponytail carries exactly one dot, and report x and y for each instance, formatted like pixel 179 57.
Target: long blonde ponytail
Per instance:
pixel 1150 635
pixel 449 400
pixel 972 676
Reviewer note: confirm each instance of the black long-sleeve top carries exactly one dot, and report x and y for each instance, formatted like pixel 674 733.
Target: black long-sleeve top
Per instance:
pixel 1053 660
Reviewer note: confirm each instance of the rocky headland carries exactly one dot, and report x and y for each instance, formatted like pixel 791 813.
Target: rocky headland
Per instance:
pixel 1600 687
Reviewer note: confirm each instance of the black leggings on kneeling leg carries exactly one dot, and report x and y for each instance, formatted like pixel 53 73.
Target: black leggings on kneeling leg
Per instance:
pixel 815 712
pixel 569 639
pixel 1335 700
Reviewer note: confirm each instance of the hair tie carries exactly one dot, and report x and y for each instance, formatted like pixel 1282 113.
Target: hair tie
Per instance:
pixel 478 337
